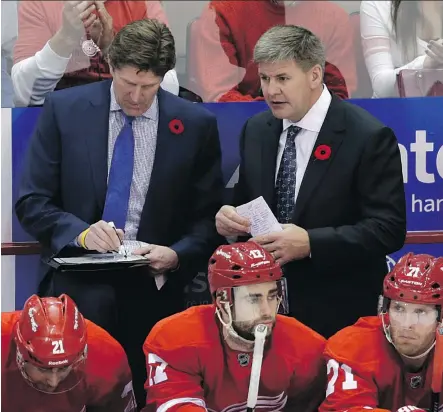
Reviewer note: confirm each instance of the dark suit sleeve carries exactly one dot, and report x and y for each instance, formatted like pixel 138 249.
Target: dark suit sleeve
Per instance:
pixel 381 199
pixel 39 207
pixel 207 191
pixel 240 188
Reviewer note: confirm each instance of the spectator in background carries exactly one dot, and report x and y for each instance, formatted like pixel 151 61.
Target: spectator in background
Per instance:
pixel 61 43
pixel 9 36
pixel 131 153
pixel 399 35
pixel 228 31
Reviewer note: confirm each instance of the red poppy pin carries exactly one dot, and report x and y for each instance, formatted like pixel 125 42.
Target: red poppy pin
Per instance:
pixel 323 152
pixel 176 126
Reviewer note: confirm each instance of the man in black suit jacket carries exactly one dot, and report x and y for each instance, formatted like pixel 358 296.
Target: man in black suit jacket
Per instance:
pixel 332 174
pixel 176 188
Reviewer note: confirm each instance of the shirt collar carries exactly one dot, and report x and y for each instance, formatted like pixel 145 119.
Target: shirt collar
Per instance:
pixel 151 113
pixel 313 120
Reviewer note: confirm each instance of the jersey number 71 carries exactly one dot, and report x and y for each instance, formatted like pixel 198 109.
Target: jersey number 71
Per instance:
pixel 348 383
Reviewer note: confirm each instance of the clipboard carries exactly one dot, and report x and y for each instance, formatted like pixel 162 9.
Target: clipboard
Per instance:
pixel 76 260
pixel 96 261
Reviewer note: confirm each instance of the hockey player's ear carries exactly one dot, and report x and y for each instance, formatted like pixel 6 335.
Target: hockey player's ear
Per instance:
pixel 223 306
pixel 219 296
pixel 219 303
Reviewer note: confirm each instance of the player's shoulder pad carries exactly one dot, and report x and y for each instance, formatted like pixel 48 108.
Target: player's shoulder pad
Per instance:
pixel 193 326
pixel 181 336
pixel 360 342
pixel 106 357
pixel 297 339
pixel 9 319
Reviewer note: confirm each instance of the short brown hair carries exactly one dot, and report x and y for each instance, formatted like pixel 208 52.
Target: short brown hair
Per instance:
pixel 147 45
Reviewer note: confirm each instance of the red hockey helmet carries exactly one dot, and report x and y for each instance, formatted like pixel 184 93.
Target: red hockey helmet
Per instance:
pixel 51 334
pixel 416 279
pixel 50 338
pixel 241 264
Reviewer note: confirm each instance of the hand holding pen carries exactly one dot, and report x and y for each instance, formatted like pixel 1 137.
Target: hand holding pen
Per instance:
pixel 101 237
pixel 121 247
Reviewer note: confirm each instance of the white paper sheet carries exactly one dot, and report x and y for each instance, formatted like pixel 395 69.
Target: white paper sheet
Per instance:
pixel 261 217
pixel 129 246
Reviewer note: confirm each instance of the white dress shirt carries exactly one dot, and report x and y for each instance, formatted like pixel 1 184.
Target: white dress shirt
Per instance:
pixel 305 140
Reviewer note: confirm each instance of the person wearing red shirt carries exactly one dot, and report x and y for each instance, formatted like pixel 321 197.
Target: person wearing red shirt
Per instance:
pixel 201 359
pixel 227 32
pixel 63 43
pixel 55 360
pixel 386 363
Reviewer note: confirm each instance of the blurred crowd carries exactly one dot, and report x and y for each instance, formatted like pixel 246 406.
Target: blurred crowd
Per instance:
pixel 373 48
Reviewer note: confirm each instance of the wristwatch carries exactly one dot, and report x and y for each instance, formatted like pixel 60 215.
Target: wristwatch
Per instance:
pixel 90 48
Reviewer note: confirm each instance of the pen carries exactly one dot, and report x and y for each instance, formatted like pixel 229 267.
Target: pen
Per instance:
pixel 121 241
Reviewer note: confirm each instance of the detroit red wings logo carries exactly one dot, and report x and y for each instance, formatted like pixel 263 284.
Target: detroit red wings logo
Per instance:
pixel 264 404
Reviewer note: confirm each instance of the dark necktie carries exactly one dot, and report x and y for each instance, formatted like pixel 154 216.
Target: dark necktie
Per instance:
pixel 286 178
pixel 120 177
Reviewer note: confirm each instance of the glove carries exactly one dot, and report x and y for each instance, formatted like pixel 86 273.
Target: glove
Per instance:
pixel 410 409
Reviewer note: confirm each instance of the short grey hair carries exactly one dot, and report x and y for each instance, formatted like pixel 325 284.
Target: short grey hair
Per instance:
pixel 289 42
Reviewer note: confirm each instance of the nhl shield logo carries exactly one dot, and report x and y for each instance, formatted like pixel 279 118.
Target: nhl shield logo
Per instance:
pixel 243 359
pixel 416 382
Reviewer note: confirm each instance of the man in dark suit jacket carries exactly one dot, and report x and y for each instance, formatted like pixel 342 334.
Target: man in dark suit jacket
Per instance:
pixel 77 172
pixel 332 174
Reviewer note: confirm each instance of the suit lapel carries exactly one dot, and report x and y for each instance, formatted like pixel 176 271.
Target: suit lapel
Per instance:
pixel 331 134
pixel 269 150
pixel 96 126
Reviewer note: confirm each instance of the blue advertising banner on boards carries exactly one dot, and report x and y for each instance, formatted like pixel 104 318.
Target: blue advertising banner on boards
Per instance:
pixel 417 123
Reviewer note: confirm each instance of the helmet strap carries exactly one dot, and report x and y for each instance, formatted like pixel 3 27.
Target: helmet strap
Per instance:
pixel 232 338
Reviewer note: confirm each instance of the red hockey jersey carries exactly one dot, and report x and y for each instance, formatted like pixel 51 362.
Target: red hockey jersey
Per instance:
pixel 190 367
pixel 365 372
pixel 107 386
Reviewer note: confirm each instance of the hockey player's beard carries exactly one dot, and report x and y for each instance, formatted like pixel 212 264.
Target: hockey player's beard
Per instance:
pixel 246 329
